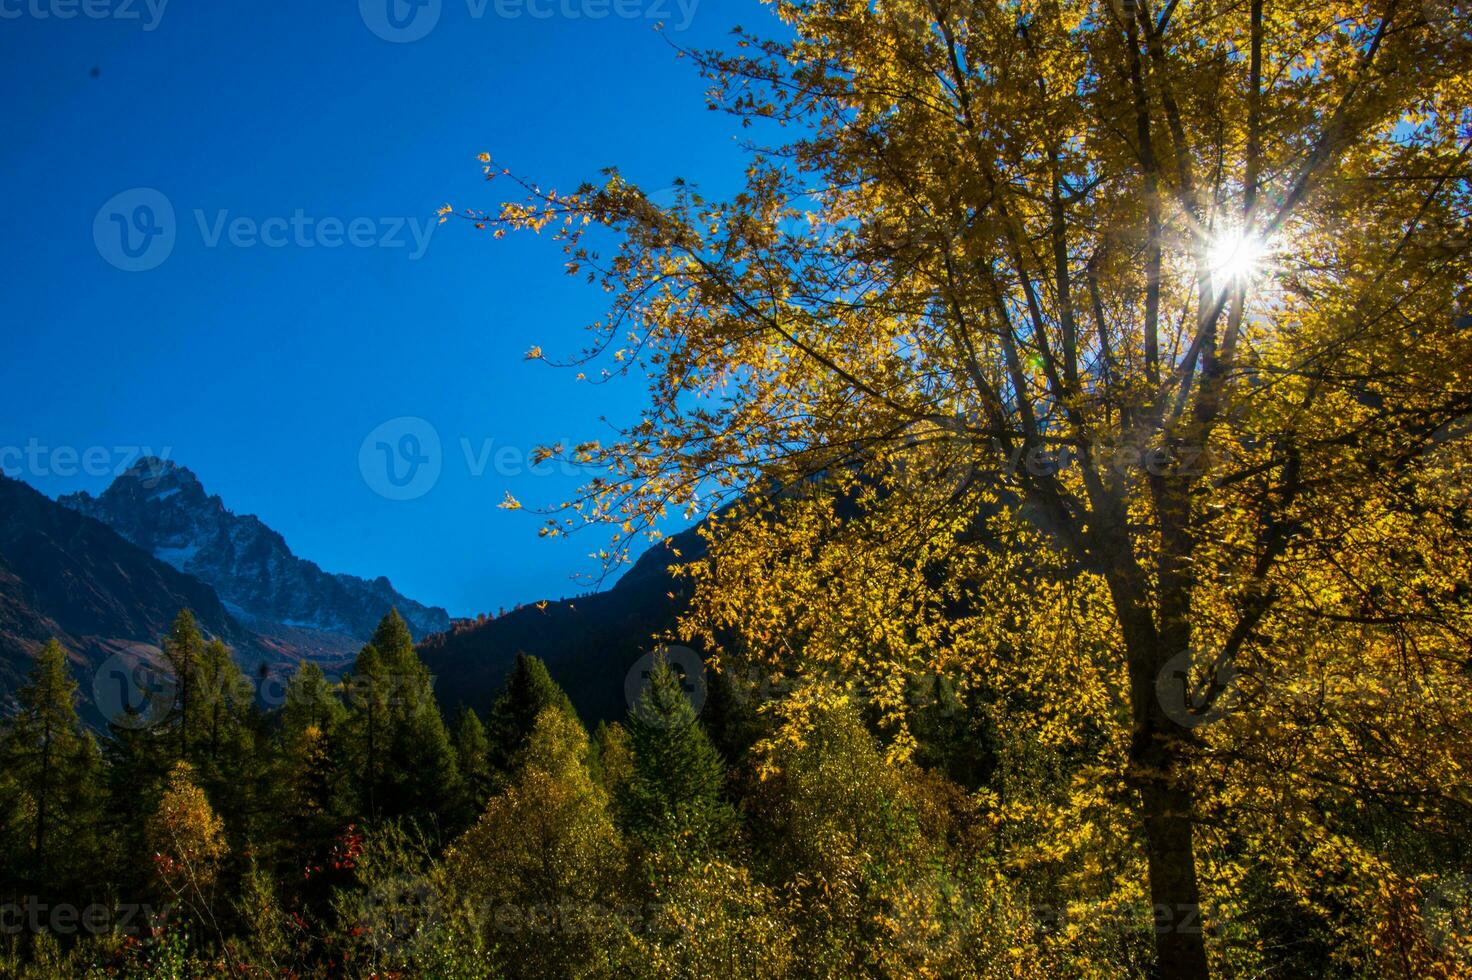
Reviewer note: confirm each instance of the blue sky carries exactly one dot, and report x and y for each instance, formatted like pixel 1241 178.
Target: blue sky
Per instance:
pixel 289 310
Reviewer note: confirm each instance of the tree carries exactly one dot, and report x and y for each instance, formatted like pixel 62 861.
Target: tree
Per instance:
pixel 317 784
pixel 713 921
pixel 528 691
pixel 838 821
pixel 472 754
pixel 368 694
pixel 544 859
pixel 612 761
pixel 187 841
pixel 53 762
pixel 1153 294
pixel 184 651
pixel 224 699
pixel 674 798
pixel 410 768
pixel 311 702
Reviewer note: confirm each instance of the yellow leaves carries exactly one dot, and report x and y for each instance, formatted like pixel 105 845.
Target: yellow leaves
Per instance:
pixel 534 353
pixel 795 350
pixel 187 837
pixel 509 503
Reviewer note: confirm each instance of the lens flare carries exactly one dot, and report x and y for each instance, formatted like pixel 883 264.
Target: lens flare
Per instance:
pixel 1235 256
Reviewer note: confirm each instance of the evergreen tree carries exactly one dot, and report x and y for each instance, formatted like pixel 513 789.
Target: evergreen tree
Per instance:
pixel 137 763
pixel 53 764
pixel 673 799
pixel 311 702
pixel 413 752
pixel 729 714
pixel 224 699
pixel 313 724
pixel 472 751
pixel 528 691
pixel 228 747
pixel 184 651
pixel 368 691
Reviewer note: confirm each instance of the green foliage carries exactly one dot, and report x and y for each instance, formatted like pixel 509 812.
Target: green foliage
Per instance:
pixel 472 753
pixel 184 652
pixel 611 760
pixel 51 792
pixel 674 798
pixel 542 865
pixel 713 920
pixel 406 762
pixel 529 690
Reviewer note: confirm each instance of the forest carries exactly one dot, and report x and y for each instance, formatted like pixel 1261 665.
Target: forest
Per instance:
pixel 1073 404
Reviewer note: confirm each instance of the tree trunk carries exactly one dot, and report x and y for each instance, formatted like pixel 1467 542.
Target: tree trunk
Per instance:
pixel 1175 896
pixel 1157 750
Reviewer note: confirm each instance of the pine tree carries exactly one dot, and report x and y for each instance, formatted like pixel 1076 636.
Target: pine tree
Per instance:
pixel 311 702
pixel 368 691
pixel 410 750
pixel 472 752
pixel 184 651
pixel 673 799
pixel 223 699
pixel 528 691
pixel 54 764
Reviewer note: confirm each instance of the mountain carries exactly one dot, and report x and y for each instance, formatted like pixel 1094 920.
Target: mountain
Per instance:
pixel 589 643
pixel 164 509
pixel 67 576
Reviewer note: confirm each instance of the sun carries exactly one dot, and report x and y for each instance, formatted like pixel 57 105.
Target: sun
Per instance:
pixel 1235 256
